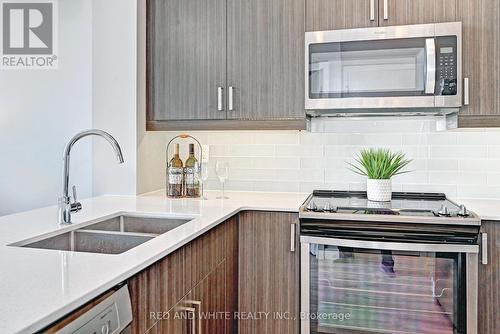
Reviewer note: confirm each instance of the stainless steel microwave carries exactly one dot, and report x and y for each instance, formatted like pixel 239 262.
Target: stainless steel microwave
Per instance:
pixel 401 69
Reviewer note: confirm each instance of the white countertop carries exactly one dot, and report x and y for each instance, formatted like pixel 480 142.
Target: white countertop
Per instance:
pixel 40 286
pixel 486 209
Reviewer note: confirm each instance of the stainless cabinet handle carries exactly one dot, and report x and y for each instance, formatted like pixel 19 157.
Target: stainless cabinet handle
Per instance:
pixel 372 10
pixel 219 99
pixel 230 98
pixel 484 248
pixel 386 9
pixel 197 305
pixel 466 91
pixel 191 310
pixel 292 238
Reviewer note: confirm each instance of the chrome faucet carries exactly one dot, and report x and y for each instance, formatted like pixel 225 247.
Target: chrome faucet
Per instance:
pixel 66 207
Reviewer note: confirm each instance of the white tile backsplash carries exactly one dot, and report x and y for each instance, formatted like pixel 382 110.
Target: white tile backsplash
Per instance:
pixel 493 179
pixel 494 152
pixel 463 163
pixel 311 151
pixel 250 150
pixel 458 152
pixel 442 165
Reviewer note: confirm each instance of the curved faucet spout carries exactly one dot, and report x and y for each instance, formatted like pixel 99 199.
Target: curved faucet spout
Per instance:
pixel 94 132
pixel 65 205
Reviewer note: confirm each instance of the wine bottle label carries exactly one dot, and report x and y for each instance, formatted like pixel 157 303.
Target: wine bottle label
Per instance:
pixel 175 175
pixel 192 178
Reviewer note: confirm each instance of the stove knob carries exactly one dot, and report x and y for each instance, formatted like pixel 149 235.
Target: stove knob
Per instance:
pixel 327 207
pixel 463 211
pixel 312 206
pixel 105 329
pixel 443 211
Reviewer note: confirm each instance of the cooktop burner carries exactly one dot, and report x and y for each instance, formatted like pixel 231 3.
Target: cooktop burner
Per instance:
pixel 422 205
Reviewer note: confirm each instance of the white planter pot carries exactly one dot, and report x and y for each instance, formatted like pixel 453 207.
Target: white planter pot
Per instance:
pixel 379 190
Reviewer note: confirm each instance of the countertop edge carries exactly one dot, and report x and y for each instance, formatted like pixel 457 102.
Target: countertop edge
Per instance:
pixel 62 312
pixel 479 206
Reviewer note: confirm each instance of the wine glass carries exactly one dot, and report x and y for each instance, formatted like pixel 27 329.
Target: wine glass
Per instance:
pixel 204 172
pixel 222 171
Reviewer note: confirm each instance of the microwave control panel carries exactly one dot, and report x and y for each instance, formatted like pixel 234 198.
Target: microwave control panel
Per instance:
pixel 446 65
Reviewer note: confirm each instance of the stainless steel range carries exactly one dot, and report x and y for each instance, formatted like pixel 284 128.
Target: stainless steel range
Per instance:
pixel 406 266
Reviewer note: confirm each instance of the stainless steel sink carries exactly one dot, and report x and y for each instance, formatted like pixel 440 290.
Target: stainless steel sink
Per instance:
pixel 91 242
pixel 127 223
pixel 111 236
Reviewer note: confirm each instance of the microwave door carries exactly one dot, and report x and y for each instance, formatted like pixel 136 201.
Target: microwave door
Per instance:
pixel 393 68
pixel 395 73
pixel 411 67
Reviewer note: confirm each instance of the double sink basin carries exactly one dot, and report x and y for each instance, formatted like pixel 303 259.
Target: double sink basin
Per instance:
pixel 111 236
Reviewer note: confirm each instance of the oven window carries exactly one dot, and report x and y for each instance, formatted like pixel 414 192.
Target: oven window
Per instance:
pixel 372 291
pixel 382 68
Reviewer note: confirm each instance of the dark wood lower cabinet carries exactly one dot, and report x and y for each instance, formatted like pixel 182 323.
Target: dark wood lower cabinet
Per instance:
pixel 196 281
pixel 244 268
pixel 247 265
pixel 208 299
pixel 269 281
pixel 144 289
pixel 489 282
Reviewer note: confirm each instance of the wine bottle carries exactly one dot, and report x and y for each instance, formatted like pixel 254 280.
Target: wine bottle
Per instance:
pixel 191 175
pixel 175 175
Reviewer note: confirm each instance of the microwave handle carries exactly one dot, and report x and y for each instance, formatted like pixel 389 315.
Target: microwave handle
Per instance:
pixel 430 57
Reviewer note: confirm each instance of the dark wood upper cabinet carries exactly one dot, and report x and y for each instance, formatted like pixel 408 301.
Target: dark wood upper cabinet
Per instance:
pixel 225 64
pixel 481 62
pixel 187 58
pixel 239 64
pixel 347 14
pixel 341 14
pixel 480 39
pixel 404 12
pixel 265 59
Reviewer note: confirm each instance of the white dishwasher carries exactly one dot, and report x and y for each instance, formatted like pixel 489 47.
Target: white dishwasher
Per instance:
pixel 109 314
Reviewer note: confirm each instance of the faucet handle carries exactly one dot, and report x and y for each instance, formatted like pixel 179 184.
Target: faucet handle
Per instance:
pixel 74 193
pixel 75 206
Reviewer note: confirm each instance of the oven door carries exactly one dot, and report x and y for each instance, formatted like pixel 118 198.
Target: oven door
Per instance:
pixel 355 286
pixel 388 67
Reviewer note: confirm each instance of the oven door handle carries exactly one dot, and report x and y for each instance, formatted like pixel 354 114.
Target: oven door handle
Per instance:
pixel 430 58
pixel 396 246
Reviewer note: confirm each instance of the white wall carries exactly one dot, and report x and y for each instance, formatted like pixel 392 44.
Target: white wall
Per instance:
pixel 94 87
pixel 114 94
pixel 144 183
pixel 461 163
pixel 40 110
